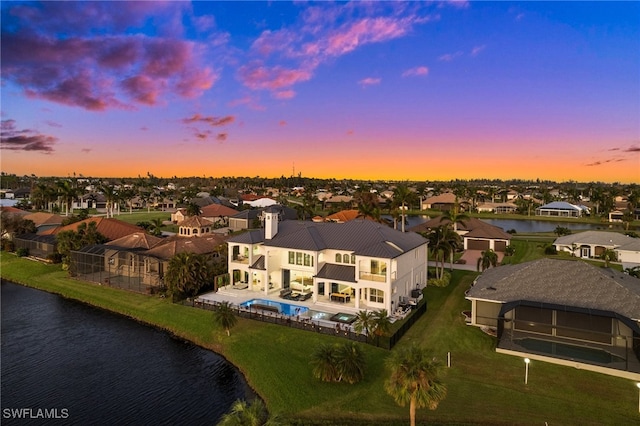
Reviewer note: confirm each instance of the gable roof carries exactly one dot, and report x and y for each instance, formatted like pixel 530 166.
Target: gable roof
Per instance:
pixel 561 205
pixel 217 210
pixel 111 228
pixel 195 221
pixel 173 245
pixel 136 240
pixel 561 282
pixel 446 198
pixel 361 237
pixel 43 218
pixel 475 228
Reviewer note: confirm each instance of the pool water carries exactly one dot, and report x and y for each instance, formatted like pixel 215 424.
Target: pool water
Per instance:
pixel 344 318
pixel 573 352
pixel 283 308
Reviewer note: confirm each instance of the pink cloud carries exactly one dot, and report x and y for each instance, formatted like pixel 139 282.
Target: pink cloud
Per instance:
pixel 213 121
pixel 102 71
pixel 248 101
pixel 221 137
pixel 282 123
pixel 24 140
pixel 284 94
pixel 448 57
pixel 476 50
pixel 416 71
pixel 369 81
pixel 259 77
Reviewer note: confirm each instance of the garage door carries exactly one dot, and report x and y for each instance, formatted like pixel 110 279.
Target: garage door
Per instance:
pixel 477 244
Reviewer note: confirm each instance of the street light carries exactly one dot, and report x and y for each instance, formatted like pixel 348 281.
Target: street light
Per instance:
pixel 526 371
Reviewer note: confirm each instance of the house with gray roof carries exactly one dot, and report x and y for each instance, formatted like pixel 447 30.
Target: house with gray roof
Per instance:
pixel 562 311
pixel 562 209
pixel 592 244
pixel 356 265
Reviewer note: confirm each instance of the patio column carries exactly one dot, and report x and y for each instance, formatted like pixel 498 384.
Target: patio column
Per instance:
pixel 357 297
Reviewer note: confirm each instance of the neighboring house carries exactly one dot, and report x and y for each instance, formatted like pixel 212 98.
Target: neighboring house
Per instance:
pixel 195 226
pixel 338 200
pixel 248 219
pixel 260 202
pixel 40 246
pixel 562 209
pixel 561 311
pixel 443 202
pixel 138 261
pixel 179 215
pixel 45 221
pixel 356 265
pixel 218 214
pixel 476 234
pixel 10 212
pixel 343 216
pixel 111 228
pixel 592 244
pixel 497 208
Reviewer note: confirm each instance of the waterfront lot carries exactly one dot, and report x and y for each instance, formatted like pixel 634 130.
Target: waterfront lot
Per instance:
pixel 483 387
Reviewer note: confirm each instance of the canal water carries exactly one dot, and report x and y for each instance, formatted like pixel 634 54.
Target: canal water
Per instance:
pixel 523 226
pixel 86 366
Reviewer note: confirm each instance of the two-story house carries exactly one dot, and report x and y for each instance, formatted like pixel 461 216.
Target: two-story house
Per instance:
pixel 359 264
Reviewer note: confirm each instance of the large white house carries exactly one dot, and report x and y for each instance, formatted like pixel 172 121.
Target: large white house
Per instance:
pixel 359 264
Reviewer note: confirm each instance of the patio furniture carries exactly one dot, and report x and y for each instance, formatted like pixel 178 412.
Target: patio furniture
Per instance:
pixel 340 297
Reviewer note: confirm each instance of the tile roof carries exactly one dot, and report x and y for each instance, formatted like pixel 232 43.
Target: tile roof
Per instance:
pixel 109 227
pixel 217 210
pixel 195 221
pixel 561 282
pixel 136 240
pixel 44 218
pixel 176 244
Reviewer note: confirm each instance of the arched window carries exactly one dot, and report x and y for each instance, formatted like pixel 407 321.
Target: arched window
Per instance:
pixel 353 259
pixel 338 258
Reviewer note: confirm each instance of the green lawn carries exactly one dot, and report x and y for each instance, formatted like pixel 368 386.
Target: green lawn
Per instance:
pixel 484 387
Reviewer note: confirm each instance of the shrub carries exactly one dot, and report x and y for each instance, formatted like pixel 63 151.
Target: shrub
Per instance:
pixel 550 250
pixel 442 282
pixel 22 252
pixel 54 258
pixel 8 245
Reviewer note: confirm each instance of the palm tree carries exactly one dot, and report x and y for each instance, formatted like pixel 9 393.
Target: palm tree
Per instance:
pixel 224 316
pixel 401 196
pixel 245 414
pixel 111 196
pixel 363 322
pixel 455 217
pixel 67 192
pixel 193 209
pixel 415 379
pixel 351 363
pixel 156 226
pixel 609 256
pixel 186 274
pixel 440 246
pixel 487 259
pixel 381 323
pixel 324 365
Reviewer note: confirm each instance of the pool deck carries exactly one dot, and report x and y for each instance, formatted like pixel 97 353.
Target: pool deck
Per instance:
pixel 238 296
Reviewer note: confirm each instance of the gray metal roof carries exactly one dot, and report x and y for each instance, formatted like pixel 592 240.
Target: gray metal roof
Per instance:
pixel 361 237
pixel 338 272
pixel 561 282
pixel 258 264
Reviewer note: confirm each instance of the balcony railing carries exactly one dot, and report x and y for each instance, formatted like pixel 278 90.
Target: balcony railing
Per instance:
pixel 241 259
pixel 369 276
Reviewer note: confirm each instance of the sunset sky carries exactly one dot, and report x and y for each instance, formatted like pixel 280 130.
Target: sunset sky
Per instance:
pixel 364 90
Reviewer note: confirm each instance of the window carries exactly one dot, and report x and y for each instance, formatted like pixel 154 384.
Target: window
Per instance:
pixel 338 258
pixel 376 295
pixel 378 268
pixel 298 258
pixel 292 258
pixel 353 259
pixel 308 260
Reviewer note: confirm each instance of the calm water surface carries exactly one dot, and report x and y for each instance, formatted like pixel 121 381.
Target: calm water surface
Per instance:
pixel 105 369
pixel 525 226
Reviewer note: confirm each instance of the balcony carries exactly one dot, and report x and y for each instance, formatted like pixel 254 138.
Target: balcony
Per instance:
pixel 369 276
pixel 241 259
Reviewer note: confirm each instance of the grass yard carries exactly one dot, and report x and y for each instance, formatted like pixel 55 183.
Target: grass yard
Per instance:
pixel 142 216
pixel 483 387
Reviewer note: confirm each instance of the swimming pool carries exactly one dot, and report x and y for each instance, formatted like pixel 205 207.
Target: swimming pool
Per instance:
pixel 270 305
pixel 567 351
